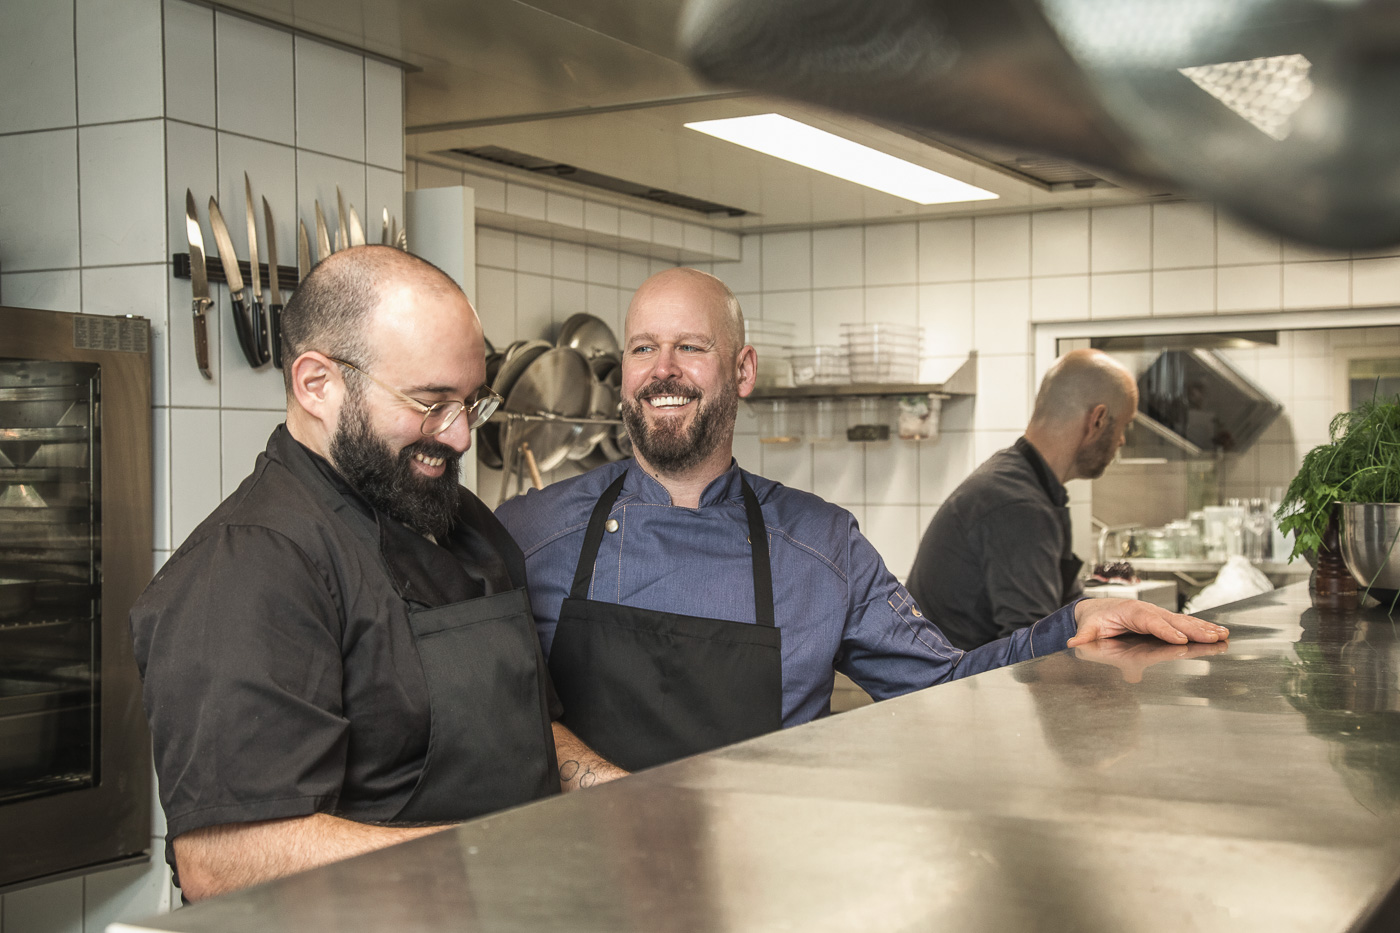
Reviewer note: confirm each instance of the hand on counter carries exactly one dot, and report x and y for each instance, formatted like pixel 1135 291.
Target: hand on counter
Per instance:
pixel 1107 618
pixel 1132 658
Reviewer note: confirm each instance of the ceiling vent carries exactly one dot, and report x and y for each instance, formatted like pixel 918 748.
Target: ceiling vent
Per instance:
pixel 502 156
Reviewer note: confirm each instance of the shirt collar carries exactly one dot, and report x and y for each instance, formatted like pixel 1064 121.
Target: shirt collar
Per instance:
pixel 1048 480
pixel 648 489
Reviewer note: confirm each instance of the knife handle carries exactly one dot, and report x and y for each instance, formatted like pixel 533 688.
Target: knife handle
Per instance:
pixel 260 331
pixel 201 337
pixel 246 340
pixel 274 314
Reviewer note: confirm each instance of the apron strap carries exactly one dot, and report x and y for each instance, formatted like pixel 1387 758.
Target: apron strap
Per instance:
pixel 758 541
pixel 583 575
pixel 762 568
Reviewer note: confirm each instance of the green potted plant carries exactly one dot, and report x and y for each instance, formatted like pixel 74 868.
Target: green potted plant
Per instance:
pixel 1360 464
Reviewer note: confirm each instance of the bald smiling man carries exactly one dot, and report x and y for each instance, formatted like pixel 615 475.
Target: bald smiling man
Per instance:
pixel 997 557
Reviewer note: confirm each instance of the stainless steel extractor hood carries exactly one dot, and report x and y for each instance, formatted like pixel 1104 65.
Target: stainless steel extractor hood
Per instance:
pixel 1194 405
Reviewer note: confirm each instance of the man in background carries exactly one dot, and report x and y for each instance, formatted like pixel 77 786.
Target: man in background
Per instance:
pixel 997 555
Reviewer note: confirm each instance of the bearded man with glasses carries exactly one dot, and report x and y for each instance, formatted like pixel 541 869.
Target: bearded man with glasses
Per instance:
pixel 342 655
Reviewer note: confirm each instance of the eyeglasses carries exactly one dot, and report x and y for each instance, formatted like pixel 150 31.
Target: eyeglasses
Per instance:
pixel 439 416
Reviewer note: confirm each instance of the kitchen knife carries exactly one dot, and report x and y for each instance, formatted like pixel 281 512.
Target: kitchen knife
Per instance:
pixel 259 315
pixel 229 260
pixel 274 293
pixel 323 239
pixel 341 240
pixel 357 230
pixel 199 285
pixel 303 253
pixel 384 230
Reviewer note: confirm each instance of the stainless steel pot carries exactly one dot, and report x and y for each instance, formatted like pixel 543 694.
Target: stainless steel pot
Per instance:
pixel 1370 547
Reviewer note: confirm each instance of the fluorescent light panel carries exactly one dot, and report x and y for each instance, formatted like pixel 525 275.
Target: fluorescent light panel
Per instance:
pixel 776 135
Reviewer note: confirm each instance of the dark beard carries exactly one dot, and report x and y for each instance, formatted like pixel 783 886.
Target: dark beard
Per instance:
pixel 677 450
pixel 387 480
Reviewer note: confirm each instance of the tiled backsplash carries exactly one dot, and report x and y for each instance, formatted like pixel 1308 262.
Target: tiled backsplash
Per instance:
pixel 99 138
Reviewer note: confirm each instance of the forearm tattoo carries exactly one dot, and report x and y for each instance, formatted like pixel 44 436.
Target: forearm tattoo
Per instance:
pixel 568 770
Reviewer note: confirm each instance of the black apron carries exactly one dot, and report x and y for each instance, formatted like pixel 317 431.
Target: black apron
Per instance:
pixel 643 687
pixel 490 743
pixel 1071 565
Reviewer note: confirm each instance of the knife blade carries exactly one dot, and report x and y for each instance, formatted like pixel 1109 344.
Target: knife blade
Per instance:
pixel 229 260
pixel 199 285
pixel 274 291
pixel 303 253
pixel 260 329
pixel 384 230
pixel 323 239
pixel 357 230
pixel 341 240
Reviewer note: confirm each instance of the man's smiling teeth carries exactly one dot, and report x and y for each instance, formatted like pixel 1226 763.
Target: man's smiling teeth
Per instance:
pixel 430 461
pixel 668 401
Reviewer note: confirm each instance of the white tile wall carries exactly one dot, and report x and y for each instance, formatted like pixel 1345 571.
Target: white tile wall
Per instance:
pixel 119 76
pixel 39 184
pixel 787 261
pixel 1060 242
pixel 1120 239
pixel 149 132
pixel 36 55
pixel 891 255
pixel 121 177
pixel 189 63
pixel 255 79
pixel 837 257
pixel 326 80
pixel 55 290
pixel 1001 246
pixel 945 251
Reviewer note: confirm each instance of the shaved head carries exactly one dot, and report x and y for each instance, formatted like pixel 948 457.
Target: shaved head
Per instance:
pixel 1080 380
pixel 692 285
pixel 333 308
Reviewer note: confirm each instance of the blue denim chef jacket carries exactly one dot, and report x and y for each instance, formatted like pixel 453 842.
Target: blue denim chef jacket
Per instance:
pixel 837 605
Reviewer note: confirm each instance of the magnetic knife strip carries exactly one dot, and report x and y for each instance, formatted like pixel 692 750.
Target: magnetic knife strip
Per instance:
pixel 214 269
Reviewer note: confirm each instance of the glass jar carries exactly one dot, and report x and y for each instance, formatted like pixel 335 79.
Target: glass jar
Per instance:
pixel 779 421
pixel 1159 545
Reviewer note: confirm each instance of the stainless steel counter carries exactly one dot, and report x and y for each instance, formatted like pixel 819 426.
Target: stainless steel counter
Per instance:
pixel 1253 789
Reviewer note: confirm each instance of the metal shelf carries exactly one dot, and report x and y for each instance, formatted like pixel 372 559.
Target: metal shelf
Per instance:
pixel 962 383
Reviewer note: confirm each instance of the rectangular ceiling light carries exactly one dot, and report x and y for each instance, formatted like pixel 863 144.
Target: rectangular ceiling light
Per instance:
pixel 779 136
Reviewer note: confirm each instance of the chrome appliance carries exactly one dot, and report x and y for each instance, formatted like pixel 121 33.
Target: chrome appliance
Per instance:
pixel 75 551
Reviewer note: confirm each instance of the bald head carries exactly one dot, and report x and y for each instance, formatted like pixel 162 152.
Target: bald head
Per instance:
pixel 1079 381
pixel 333 308
pixel 690 288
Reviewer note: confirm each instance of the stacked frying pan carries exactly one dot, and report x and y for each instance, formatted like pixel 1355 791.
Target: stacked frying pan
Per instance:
pixel 561 402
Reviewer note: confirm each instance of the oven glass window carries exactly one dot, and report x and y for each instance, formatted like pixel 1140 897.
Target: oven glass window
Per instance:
pixel 50 571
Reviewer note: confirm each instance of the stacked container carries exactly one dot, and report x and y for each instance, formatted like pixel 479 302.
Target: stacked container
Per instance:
pixel 882 352
pixel 771 340
pixel 818 365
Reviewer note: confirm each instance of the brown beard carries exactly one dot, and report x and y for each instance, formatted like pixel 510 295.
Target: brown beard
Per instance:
pixel 387 480
pixel 674 449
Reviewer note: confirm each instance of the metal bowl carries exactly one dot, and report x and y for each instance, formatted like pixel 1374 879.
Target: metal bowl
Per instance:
pixel 1370 547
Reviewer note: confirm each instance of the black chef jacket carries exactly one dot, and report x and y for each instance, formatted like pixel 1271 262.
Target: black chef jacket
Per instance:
pixel 281 677
pixel 990 561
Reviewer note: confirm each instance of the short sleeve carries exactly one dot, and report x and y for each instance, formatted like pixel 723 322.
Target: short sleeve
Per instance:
pixel 238 642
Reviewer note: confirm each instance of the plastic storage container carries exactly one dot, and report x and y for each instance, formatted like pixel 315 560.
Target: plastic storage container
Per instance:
pixel 779 421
